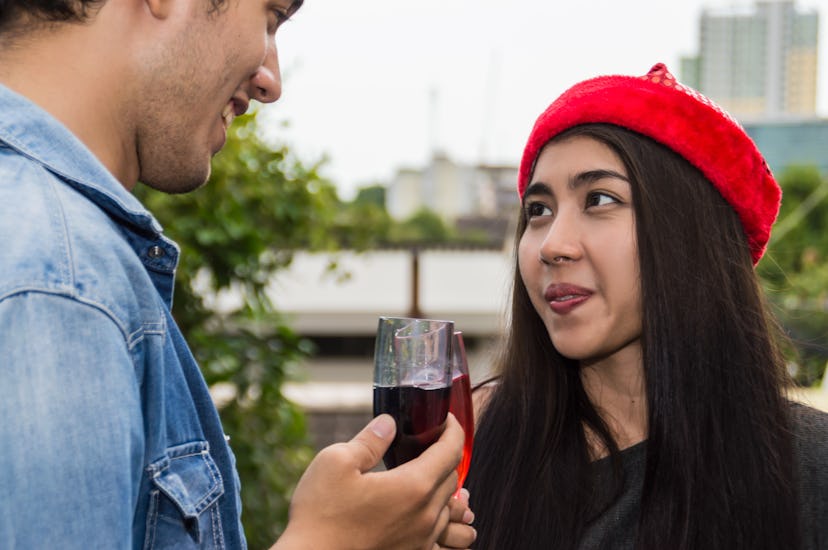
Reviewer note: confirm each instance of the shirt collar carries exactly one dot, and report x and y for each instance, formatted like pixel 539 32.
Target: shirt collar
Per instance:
pixel 34 133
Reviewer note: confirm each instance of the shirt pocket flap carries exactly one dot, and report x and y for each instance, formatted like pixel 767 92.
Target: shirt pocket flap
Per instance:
pixel 189 477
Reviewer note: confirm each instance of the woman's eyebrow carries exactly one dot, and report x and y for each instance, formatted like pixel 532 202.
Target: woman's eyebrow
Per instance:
pixel 582 178
pixel 591 176
pixel 538 188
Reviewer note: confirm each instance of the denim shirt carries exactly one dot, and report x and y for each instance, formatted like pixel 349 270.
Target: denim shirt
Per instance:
pixel 108 435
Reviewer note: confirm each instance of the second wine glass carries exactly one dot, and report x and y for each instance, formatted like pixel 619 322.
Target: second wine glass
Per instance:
pixel 461 403
pixel 412 382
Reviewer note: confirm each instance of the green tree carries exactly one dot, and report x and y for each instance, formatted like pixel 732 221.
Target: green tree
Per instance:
pixel 260 204
pixel 800 235
pixel 795 269
pixel 424 226
pixel 373 194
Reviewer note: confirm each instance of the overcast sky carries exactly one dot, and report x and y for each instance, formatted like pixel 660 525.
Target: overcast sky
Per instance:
pixel 376 85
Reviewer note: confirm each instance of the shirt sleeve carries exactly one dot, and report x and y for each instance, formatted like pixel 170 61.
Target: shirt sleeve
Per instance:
pixel 70 425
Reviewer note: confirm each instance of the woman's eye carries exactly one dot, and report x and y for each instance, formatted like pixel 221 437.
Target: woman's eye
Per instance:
pixel 535 209
pixel 599 199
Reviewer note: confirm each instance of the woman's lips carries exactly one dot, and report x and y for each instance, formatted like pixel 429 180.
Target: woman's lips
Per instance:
pixel 564 297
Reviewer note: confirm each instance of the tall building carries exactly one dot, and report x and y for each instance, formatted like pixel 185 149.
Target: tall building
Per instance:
pixel 759 61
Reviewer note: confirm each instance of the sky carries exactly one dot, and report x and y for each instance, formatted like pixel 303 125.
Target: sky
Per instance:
pixel 378 85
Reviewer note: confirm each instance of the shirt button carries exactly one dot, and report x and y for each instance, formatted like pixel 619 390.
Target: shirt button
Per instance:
pixel 155 252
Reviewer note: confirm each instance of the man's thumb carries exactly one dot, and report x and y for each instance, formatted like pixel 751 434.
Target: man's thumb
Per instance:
pixel 371 443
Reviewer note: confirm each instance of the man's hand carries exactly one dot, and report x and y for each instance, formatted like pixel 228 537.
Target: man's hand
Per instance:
pixel 340 504
pixel 459 533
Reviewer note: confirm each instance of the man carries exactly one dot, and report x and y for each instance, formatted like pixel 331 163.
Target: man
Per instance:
pixel 109 437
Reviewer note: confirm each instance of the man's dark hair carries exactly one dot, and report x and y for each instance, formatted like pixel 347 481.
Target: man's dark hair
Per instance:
pixel 56 11
pixel 45 10
pixel 53 11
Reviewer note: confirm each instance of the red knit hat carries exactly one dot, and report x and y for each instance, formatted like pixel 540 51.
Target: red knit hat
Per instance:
pixel 681 118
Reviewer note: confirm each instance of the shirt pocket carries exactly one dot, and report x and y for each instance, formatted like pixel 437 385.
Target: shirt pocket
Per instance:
pixel 183 511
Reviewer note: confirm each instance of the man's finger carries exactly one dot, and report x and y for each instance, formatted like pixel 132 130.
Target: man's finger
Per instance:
pixel 441 526
pixel 459 506
pixel 370 444
pixel 444 454
pixel 459 533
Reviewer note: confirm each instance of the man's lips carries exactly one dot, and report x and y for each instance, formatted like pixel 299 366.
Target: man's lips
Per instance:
pixel 235 107
pixel 564 297
pixel 228 114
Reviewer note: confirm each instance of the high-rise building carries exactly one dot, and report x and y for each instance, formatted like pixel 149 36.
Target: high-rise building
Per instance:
pixel 758 61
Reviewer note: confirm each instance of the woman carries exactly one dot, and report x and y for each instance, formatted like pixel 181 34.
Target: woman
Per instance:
pixel 639 400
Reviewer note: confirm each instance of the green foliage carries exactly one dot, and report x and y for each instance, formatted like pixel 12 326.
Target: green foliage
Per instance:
pixel 362 224
pixel 800 235
pixel 424 226
pixel 235 233
pixel 795 269
pixel 373 194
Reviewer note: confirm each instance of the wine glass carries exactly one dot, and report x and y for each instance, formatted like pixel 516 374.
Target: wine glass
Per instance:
pixel 461 403
pixel 412 382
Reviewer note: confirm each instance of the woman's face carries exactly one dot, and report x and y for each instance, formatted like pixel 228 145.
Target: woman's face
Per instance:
pixel 578 257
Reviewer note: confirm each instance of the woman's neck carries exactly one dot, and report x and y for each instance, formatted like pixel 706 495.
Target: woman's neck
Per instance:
pixel 615 386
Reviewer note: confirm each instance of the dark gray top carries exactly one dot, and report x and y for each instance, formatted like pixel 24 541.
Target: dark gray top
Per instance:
pixel 616 528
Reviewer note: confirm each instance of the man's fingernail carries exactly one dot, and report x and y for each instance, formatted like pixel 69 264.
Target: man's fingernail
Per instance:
pixel 382 426
pixel 468 517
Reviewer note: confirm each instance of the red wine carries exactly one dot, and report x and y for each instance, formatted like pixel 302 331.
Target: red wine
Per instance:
pixel 461 407
pixel 420 414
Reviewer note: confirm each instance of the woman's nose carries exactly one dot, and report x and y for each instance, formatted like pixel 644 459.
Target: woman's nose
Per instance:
pixel 560 244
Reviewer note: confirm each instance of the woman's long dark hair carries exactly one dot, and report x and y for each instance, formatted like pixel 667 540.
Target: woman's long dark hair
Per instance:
pixel 719 470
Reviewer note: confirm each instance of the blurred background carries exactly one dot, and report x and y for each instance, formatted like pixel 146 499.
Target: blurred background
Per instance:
pixel 382 183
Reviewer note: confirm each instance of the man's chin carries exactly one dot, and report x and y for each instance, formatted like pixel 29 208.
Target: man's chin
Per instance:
pixel 178 183
pixel 220 144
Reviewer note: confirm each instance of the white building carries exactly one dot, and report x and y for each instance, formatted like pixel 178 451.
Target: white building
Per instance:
pixel 451 190
pixel 468 286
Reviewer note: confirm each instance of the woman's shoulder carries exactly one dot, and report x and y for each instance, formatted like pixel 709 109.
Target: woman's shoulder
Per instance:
pixel 810 424
pixel 810 428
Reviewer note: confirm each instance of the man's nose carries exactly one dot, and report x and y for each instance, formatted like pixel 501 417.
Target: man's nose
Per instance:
pixel 266 81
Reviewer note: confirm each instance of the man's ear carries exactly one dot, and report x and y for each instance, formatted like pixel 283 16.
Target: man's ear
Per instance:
pixel 161 9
